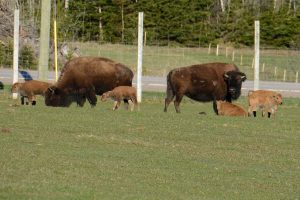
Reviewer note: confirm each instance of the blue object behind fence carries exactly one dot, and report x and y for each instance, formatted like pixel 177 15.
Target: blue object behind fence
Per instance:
pixel 26 75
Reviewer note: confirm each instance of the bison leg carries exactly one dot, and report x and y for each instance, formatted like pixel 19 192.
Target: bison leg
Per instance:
pixel 22 100
pixel 91 97
pixel 177 102
pixel 116 105
pixel 126 103
pixel 215 107
pixel 170 96
pixel 168 100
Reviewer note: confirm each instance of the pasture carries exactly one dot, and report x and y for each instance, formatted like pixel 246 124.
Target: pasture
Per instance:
pixel 97 153
pixel 158 60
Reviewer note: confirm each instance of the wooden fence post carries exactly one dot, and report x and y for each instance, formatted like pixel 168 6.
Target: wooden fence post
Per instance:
pixel 284 75
pixel 241 63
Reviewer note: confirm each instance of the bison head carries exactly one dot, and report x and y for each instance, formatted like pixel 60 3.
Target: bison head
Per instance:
pixel 56 97
pixel 234 81
pixel 15 88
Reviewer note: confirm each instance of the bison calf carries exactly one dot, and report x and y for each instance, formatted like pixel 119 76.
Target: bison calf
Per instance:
pixel 29 89
pixel 229 109
pixel 121 93
pixel 265 100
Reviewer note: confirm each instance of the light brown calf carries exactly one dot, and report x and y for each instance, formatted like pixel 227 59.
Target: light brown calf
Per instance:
pixel 29 89
pixel 125 93
pixel 264 100
pixel 229 109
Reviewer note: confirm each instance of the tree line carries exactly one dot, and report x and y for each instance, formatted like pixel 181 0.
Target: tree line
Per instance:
pixel 176 22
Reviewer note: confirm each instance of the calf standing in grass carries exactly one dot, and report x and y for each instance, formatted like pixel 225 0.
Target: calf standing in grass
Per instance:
pixel 29 89
pixel 265 100
pixel 119 94
pixel 229 109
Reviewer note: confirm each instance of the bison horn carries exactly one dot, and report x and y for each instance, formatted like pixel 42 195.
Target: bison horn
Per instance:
pixel 226 75
pixel 51 90
pixel 243 78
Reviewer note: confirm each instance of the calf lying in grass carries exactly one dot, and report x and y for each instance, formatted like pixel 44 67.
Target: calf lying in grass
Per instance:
pixel 29 89
pixel 125 93
pixel 229 109
pixel 265 100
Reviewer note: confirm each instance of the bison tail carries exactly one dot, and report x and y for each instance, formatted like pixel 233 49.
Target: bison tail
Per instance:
pixel 170 90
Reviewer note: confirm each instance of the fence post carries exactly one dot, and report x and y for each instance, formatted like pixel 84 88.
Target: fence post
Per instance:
pixel 233 55
pixel 296 77
pixel 226 52
pixel 16 49
pixel 284 75
pixel 275 72
pixel 140 57
pixel 263 68
pixel 256 53
pixel 241 63
pixel 209 46
pixel 217 50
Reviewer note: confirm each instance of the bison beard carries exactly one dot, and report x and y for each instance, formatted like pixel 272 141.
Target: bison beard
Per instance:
pixel 83 78
pixel 204 82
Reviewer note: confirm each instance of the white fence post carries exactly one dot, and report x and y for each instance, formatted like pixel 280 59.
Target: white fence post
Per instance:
pixel 256 53
pixel 233 55
pixel 296 77
pixel 140 57
pixel 217 50
pixel 16 49
pixel 284 75
pixel 209 46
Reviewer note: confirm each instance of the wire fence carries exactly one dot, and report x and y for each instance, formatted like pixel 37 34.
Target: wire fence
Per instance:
pixel 275 65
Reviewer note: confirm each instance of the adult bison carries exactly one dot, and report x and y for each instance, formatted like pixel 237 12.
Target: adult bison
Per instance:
pixel 204 82
pixel 84 77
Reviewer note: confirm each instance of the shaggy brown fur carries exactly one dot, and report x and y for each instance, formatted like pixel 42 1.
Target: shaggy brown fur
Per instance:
pixel 204 82
pixel 85 77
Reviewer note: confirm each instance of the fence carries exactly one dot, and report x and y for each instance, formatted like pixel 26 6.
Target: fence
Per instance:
pixel 275 65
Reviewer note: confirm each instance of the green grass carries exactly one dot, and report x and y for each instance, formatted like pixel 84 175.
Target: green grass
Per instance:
pixel 97 153
pixel 158 61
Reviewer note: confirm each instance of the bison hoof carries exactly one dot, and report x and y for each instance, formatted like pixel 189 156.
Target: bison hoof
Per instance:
pixel 33 103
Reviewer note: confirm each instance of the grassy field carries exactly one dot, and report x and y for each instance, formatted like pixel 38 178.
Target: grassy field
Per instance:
pixel 97 153
pixel 158 61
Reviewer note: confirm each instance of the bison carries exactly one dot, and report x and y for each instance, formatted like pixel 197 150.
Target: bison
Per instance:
pixel 85 77
pixel 229 109
pixel 204 82
pixel 29 89
pixel 120 93
pixel 266 100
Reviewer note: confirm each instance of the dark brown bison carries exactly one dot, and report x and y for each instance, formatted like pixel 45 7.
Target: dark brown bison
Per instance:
pixel 204 82
pixel 84 77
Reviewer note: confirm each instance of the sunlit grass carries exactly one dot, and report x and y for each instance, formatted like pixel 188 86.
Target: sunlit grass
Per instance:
pixel 97 153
